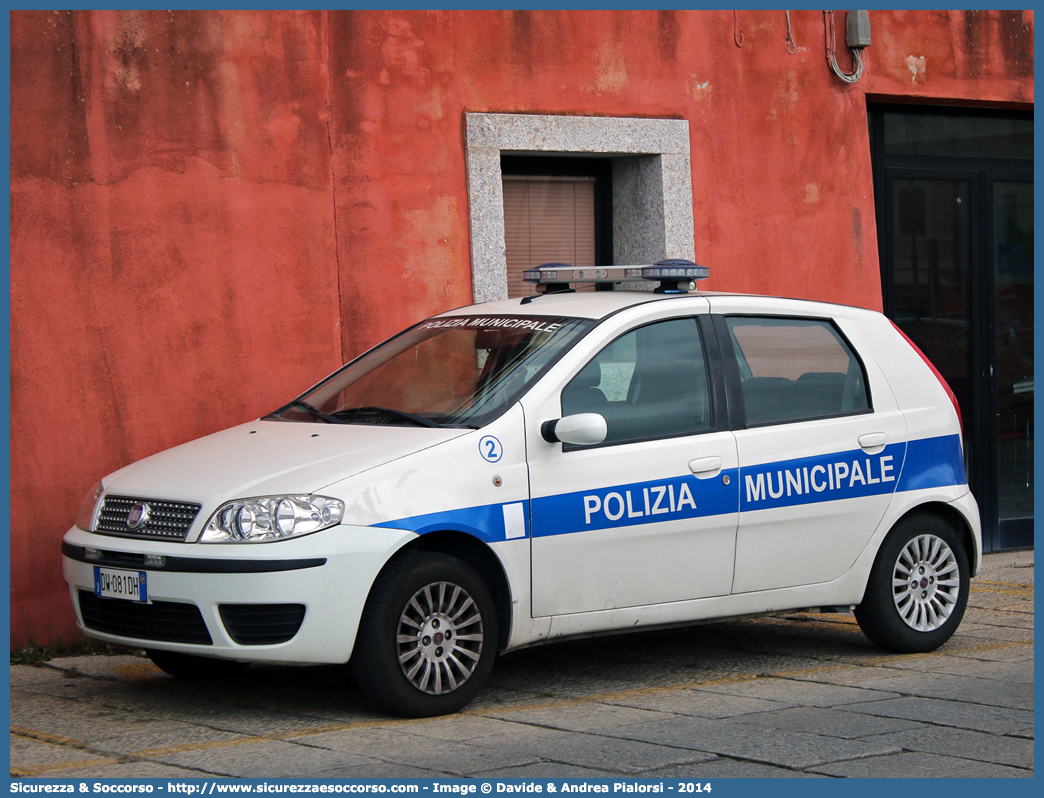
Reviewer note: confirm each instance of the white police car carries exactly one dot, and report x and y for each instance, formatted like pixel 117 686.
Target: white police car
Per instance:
pixel 530 470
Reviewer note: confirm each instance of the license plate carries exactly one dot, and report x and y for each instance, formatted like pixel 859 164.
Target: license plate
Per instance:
pixel 117 584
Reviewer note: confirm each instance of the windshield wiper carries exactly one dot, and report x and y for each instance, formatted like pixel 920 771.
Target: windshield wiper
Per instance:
pixel 372 410
pixel 319 414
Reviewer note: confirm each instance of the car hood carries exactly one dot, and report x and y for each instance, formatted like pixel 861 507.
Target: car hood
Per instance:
pixel 270 457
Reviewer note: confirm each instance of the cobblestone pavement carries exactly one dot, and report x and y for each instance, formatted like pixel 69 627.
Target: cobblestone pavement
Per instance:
pixel 803 695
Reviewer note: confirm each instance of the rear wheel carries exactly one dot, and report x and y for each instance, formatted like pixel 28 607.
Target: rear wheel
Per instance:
pixel 918 587
pixel 189 666
pixel 427 637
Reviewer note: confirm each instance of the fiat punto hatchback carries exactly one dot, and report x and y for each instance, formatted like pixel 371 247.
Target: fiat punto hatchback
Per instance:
pixel 537 469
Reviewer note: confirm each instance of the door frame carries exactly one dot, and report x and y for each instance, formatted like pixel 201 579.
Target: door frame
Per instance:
pixel 980 424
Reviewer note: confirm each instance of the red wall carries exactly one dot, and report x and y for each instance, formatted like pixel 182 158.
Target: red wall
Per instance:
pixel 209 211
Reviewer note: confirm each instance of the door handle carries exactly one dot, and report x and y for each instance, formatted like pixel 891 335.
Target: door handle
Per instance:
pixel 705 467
pixel 873 440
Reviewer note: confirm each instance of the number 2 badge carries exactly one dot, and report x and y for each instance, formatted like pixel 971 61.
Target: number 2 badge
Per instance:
pixel 490 449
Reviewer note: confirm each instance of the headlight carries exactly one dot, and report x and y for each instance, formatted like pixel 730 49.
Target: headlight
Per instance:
pixel 85 517
pixel 270 518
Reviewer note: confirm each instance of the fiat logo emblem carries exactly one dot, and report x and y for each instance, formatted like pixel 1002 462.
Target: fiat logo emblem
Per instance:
pixel 138 515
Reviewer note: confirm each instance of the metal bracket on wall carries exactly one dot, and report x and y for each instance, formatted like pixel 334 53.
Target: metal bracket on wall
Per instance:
pixel 737 34
pixel 791 44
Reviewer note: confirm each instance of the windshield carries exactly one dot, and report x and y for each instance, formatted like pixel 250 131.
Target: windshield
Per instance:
pixel 457 371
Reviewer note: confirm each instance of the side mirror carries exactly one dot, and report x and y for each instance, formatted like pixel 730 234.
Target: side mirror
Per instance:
pixel 582 429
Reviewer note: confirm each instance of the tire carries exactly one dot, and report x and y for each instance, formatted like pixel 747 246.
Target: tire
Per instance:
pixel 428 636
pixel 918 587
pixel 189 666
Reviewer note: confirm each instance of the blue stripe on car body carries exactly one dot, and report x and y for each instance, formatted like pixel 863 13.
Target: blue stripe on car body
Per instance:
pixel 916 465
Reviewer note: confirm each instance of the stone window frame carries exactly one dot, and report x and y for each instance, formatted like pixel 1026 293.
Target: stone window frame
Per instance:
pixel 652 184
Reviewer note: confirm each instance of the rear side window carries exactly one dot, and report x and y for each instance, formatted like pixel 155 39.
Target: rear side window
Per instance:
pixel 794 369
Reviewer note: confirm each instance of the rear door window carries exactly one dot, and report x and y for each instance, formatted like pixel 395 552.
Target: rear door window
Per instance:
pixel 795 369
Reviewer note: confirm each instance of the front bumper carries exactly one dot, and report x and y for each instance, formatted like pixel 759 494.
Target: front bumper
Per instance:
pixel 216 591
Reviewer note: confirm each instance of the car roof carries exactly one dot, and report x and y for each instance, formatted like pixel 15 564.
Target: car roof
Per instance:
pixel 582 305
pixel 599 304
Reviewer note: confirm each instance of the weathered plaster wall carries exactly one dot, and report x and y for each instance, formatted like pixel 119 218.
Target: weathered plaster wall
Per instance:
pixel 172 243
pixel 782 184
pixel 211 209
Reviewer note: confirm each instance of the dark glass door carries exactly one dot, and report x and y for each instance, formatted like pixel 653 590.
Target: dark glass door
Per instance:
pixel 954 193
pixel 1012 252
pixel 931 261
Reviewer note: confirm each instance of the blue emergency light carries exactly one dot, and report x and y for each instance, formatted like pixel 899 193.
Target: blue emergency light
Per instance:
pixel 673 275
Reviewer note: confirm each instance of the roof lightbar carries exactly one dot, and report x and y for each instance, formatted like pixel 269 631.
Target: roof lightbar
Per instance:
pixel 673 275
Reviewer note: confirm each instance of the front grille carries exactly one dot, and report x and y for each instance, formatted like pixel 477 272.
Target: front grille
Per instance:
pixel 169 621
pixel 165 520
pixel 262 624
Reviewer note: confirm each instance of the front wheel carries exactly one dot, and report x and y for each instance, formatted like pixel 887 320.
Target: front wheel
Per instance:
pixel 918 587
pixel 427 637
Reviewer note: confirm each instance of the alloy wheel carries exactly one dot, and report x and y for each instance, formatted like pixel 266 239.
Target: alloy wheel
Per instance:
pixel 439 638
pixel 925 583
